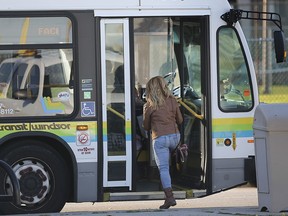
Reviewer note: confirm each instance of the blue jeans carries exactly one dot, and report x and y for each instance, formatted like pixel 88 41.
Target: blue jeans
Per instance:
pixel 162 147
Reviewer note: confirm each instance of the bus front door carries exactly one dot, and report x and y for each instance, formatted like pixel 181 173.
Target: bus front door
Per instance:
pixel 116 103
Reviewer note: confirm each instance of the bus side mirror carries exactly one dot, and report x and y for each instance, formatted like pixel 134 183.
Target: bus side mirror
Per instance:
pixel 279 43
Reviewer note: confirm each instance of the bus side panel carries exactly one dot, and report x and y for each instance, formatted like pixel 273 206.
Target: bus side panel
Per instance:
pixel 85 73
pixel 87 175
pixel 227 172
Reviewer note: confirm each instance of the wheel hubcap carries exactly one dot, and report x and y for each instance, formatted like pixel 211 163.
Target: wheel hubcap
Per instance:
pixel 33 180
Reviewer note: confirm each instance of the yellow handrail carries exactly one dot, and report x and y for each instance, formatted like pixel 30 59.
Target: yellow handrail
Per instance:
pixel 116 112
pixel 201 117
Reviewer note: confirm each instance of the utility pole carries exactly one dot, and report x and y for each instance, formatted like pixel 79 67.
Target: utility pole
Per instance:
pixel 266 79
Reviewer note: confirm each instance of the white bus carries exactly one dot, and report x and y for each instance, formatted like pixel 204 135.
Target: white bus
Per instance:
pixel 72 89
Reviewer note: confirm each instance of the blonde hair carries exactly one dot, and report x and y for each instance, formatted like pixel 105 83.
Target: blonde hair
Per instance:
pixel 157 91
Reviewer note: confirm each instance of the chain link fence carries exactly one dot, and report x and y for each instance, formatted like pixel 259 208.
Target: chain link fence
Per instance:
pixel 272 77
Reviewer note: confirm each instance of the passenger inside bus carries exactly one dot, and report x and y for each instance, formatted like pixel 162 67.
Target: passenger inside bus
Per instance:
pixel 119 80
pixel 116 130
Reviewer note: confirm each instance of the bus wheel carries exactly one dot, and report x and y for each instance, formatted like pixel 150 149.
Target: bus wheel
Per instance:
pixel 42 175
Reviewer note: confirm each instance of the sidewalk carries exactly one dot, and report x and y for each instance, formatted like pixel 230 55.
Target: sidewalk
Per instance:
pixel 238 201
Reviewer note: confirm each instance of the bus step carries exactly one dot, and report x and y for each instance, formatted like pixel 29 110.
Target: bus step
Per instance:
pixel 151 195
pixel 199 193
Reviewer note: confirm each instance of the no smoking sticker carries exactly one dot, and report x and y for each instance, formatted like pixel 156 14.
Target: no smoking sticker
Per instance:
pixel 83 139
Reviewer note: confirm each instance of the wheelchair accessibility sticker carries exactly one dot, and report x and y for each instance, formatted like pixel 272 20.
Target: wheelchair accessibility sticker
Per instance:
pixel 87 109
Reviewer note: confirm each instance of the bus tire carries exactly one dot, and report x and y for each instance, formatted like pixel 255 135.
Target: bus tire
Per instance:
pixel 42 174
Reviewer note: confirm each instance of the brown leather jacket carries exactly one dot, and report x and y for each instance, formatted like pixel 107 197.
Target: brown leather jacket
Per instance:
pixel 164 120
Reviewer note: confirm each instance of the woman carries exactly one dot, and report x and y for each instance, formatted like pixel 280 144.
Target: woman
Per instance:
pixel 161 115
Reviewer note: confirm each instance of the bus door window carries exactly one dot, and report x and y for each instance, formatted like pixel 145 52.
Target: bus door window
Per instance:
pixel 116 124
pixel 235 89
pixel 115 80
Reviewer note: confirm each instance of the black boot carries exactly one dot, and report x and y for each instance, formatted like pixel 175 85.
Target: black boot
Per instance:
pixel 169 200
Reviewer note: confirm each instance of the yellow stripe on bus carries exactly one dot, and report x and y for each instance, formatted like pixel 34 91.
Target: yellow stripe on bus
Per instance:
pixel 229 121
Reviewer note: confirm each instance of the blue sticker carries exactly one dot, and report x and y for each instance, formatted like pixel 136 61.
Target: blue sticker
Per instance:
pixel 87 109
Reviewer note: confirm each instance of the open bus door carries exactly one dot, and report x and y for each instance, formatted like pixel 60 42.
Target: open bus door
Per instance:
pixel 117 144
pixel 171 47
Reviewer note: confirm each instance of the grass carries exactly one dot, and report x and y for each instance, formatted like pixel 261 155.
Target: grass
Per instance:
pixel 279 94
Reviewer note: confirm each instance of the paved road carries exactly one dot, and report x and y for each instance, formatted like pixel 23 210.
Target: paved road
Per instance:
pixel 238 201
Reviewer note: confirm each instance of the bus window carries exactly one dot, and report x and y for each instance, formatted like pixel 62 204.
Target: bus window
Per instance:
pixel 235 90
pixel 38 82
pixel 36 79
pixel 35 30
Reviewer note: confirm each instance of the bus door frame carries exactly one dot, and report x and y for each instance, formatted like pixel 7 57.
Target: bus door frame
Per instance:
pixel 127 157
